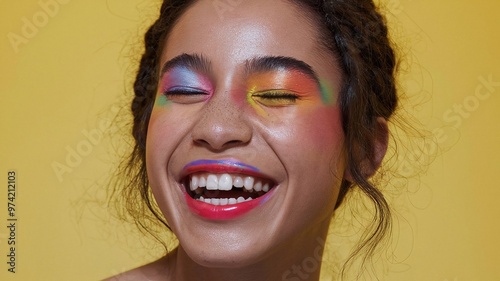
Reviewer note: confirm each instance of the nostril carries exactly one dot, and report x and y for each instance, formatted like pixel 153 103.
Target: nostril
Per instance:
pixel 234 142
pixel 201 142
pixel 218 145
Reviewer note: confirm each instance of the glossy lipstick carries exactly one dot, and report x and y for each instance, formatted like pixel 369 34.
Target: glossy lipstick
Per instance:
pixel 223 212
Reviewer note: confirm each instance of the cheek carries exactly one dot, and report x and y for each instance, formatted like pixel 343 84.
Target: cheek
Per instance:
pixel 310 143
pixel 169 130
pixel 323 137
pixel 161 137
pixel 318 129
pixel 311 148
pixel 320 133
pixel 154 144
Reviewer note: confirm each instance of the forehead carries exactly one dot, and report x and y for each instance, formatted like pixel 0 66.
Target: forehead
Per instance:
pixel 230 35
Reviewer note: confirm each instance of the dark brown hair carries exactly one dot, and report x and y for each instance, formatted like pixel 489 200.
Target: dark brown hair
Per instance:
pixel 356 33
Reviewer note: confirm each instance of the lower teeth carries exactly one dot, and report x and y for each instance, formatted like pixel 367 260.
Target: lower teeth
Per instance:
pixel 223 201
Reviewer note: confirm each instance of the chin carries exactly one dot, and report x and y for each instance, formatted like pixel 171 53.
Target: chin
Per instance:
pixel 223 254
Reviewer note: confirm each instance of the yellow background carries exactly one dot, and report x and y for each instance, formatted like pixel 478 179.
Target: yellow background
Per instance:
pixel 64 80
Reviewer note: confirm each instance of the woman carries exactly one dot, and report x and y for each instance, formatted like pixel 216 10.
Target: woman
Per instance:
pixel 252 121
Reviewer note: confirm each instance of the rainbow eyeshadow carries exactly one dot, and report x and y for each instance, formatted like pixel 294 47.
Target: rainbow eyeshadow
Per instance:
pixel 161 100
pixel 284 81
pixel 252 102
pixel 327 93
pixel 291 80
pixel 183 79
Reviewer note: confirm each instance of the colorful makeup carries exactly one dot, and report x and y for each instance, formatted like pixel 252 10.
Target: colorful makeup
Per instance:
pixel 224 189
pixel 161 100
pixel 227 212
pixel 327 92
pixel 224 165
pixel 183 85
pixel 285 87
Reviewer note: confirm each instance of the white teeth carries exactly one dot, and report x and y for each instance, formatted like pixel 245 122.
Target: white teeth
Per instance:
pixel 238 182
pixel 212 182
pixel 248 183
pixel 225 182
pixel 223 201
pixel 194 183
pixel 202 182
pixel 258 186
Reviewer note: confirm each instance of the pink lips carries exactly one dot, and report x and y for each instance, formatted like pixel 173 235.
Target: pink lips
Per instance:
pixel 226 212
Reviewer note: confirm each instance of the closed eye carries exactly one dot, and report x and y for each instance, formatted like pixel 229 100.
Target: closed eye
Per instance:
pixel 276 98
pixel 185 95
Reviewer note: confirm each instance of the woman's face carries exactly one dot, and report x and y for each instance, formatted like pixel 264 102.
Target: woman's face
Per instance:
pixel 245 145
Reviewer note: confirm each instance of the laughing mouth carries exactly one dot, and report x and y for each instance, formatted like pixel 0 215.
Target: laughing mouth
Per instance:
pixel 226 189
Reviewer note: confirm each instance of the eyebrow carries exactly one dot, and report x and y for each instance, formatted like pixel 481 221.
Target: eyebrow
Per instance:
pixel 275 63
pixel 195 62
pixel 254 65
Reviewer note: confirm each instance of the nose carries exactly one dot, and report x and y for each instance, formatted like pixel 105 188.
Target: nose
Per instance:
pixel 222 126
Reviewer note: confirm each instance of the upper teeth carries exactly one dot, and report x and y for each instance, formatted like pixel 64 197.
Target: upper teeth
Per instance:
pixel 226 182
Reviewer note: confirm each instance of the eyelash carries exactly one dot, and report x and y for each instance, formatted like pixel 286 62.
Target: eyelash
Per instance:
pixel 270 98
pixel 285 96
pixel 182 95
pixel 183 92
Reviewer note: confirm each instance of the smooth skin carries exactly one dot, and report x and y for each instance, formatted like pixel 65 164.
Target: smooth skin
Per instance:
pixel 298 143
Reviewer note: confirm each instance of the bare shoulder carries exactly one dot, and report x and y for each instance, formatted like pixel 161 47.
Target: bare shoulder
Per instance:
pixel 157 270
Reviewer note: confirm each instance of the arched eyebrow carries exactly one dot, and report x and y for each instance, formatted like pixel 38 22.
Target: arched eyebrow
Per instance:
pixel 276 63
pixel 192 61
pixel 255 65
